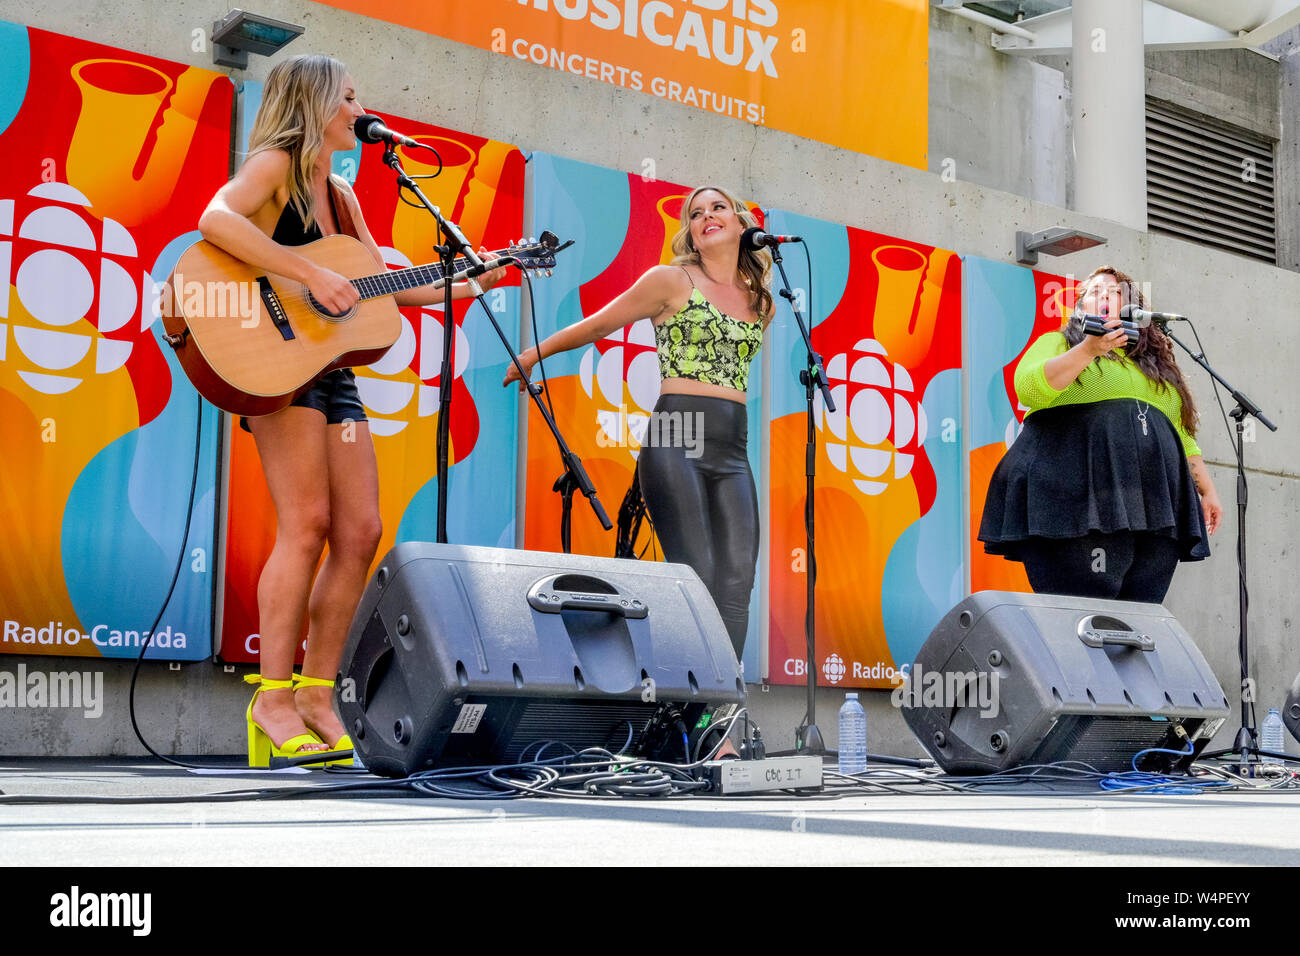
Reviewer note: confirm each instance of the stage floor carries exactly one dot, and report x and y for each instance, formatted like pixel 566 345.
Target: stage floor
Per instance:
pixel 1080 826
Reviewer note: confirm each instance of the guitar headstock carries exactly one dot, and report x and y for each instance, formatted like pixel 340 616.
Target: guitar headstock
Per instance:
pixel 536 255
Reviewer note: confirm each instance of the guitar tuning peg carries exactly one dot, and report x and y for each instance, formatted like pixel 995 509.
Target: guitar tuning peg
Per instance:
pixel 532 241
pixel 549 273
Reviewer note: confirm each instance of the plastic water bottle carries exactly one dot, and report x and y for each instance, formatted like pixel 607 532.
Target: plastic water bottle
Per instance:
pixel 1270 735
pixel 853 735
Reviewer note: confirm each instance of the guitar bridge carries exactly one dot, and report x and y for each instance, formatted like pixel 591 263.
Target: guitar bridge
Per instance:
pixel 274 309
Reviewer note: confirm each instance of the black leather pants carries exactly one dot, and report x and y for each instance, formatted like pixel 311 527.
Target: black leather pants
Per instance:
pixel 700 494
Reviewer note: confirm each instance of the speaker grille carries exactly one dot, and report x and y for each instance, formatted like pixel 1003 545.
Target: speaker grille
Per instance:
pixel 578 723
pixel 1107 743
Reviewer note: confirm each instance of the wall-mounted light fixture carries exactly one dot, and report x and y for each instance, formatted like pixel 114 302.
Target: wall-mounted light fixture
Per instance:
pixel 1056 241
pixel 240 33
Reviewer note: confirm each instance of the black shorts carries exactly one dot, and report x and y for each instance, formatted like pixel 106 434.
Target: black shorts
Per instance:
pixel 334 395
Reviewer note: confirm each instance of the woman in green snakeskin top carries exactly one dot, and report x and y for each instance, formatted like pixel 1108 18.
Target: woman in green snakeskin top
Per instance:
pixel 709 309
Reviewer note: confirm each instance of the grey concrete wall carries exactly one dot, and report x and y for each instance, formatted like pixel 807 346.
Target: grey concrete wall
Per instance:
pixel 1004 121
pixel 1236 86
pixel 1244 311
pixel 1287 154
pixel 1000 121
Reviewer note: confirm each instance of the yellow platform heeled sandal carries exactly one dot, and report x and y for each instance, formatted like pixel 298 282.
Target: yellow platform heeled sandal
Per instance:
pixel 344 742
pixel 261 748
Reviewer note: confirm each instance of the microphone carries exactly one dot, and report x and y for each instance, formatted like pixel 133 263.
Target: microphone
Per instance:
pixel 1145 317
pixel 371 129
pixel 1096 325
pixel 755 238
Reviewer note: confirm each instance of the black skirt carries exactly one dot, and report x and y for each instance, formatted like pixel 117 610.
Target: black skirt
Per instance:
pixel 1077 469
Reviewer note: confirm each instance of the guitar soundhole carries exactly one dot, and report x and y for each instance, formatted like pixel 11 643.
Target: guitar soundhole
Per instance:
pixel 326 314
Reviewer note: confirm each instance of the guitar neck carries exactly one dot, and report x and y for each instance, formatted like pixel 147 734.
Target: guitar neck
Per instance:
pixel 396 280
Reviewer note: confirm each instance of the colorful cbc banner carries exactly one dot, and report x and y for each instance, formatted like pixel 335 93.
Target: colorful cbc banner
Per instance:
pixel 603 394
pixel 481 188
pixel 850 74
pixel 1007 308
pixel 106 160
pixel 886 317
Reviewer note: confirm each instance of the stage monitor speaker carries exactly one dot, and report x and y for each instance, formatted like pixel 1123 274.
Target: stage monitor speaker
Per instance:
pixel 1291 710
pixel 463 656
pixel 1007 680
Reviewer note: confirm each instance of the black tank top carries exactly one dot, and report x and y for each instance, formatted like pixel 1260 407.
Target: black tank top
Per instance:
pixel 289 230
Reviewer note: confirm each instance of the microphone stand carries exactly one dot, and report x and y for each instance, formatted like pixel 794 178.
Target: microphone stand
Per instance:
pixel 454 242
pixel 575 477
pixel 1246 744
pixel 808 738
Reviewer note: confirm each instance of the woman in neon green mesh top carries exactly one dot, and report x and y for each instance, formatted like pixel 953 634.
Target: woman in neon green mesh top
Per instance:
pixel 1105 490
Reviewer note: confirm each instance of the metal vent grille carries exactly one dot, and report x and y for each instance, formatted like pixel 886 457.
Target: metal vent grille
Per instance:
pixel 612 724
pixel 1107 744
pixel 1209 182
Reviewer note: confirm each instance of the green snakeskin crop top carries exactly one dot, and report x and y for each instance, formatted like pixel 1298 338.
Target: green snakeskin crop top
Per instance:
pixel 702 343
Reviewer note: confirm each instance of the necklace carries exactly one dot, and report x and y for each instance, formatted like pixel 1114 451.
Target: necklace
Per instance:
pixel 1142 414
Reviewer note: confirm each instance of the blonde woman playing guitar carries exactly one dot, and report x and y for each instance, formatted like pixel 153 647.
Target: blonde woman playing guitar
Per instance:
pixel 325 489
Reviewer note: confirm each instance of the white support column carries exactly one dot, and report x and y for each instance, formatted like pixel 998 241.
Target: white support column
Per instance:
pixel 1108 87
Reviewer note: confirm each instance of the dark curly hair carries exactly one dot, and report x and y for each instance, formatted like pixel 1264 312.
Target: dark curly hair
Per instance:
pixel 1153 354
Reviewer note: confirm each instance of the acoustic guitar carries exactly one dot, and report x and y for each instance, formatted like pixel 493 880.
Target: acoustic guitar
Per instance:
pixel 251 342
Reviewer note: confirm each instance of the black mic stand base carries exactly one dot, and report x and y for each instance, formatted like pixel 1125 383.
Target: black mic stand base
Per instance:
pixel 808 740
pixel 1245 742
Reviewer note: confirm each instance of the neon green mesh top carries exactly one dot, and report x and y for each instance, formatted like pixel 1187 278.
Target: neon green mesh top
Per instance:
pixel 1098 382
pixel 707 345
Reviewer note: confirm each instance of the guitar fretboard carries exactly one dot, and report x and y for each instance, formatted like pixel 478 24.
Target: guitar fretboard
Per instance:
pixel 395 280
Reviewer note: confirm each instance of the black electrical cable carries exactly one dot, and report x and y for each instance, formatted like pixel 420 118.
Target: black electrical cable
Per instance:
pixel 401 189
pixel 808 259
pixel 171 587
pixel 315 757
pixel 599 774
pixel 537 340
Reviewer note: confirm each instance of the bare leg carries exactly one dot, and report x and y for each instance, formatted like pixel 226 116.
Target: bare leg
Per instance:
pixel 291 444
pixel 354 532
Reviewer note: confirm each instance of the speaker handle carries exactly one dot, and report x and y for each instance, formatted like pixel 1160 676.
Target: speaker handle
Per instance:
pixel 597 594
pixel 1098 630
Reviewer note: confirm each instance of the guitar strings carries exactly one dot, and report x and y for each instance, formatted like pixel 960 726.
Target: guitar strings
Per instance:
pixel 371 286
pixel 368 286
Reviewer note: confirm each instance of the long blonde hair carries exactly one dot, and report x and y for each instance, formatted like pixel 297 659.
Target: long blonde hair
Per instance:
pixel 301 96
pixel 755 266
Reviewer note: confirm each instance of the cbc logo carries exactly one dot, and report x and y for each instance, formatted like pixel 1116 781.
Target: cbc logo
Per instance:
pixel 75 263
pixel 386 393
pixel 833 668
pixel 878 420
pixel 623 380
